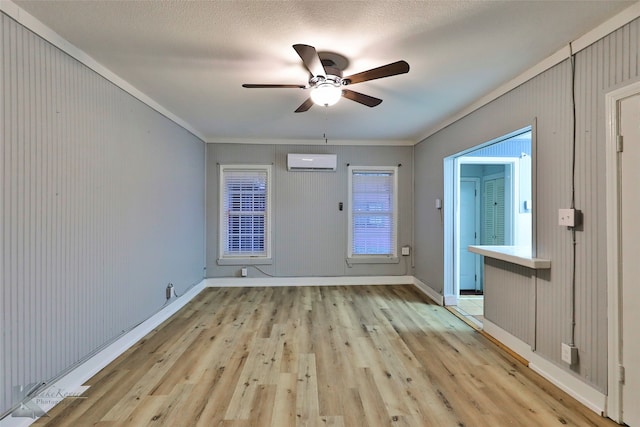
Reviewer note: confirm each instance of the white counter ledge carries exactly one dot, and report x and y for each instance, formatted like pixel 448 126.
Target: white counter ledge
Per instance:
pixel 513 254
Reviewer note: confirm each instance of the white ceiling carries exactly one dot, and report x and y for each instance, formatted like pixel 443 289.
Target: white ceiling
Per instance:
pixel 193 56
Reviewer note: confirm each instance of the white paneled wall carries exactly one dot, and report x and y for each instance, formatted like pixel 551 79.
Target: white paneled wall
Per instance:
pixel 101 204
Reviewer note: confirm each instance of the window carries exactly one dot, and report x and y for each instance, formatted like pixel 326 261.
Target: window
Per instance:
pixel 245 193
pixel 372 212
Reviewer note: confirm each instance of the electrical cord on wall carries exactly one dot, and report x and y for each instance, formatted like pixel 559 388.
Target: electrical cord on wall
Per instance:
pixel 262 271
pixel 406 269
pixel 573 195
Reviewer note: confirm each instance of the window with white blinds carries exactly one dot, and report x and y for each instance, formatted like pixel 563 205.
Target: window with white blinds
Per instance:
pixel 244 211
pixel 372 211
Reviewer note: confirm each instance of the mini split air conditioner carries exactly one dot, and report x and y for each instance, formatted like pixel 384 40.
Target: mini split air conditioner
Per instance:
pixel 311 162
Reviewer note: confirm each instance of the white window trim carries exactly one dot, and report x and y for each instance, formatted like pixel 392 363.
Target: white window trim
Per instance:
pixel 372 259
pixel 226 259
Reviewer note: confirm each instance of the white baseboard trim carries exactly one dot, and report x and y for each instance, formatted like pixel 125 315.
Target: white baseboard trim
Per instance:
pixel 325 281
pixel 73 381
pixel 575 387
pixel 566 381
pixel 241 282
pixel 450 300
pixel 428 291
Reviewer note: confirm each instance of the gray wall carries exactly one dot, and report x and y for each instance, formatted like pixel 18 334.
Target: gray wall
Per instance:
pixel 606 65
pixel 309 232
pixel 509 298
pixel 102 203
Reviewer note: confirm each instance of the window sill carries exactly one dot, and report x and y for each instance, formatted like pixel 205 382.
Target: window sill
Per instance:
pixel 244 261
pixel 373 260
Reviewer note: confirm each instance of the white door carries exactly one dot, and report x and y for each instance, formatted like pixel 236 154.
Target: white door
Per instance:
pixel 469 234
pixel 630 247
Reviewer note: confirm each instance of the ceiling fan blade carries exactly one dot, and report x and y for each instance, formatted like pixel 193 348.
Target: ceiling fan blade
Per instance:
pixel 310 59
pixel 260 86
pixel 388 70
pixel 367 100
pixel 305 106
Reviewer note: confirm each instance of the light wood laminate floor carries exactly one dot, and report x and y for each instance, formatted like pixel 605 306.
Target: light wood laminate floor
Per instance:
pixel 472 306
pixel 318 356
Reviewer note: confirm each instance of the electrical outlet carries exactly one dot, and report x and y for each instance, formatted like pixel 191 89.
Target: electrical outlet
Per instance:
pixel 406 251
pixel 569 354
pixel 243 272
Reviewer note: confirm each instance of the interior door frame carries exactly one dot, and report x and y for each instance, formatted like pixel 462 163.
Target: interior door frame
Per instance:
pixel 614 283
pixel 450 175
pixel 511 164
pixel 457 233
pixel 511 177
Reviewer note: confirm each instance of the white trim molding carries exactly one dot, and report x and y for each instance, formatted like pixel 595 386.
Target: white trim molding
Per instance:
pixel 74 380
pixel 607 27
pixel 330 142
pixel 241 282
pixel 566 381
pixel 428 291
pixel 614 385
pixel 32 23
pixel 326 281
pixel 603 30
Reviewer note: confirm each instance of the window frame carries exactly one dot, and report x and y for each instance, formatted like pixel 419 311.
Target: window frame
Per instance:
pixel 373 258
pixel 225 258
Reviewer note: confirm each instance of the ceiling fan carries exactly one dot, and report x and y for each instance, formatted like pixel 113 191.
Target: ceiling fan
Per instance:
pixel 326 81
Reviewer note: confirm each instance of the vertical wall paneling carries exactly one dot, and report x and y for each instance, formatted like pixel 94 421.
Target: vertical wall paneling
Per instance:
pixel 310 233
pixel 102 205
pixel 609 63
pixel 510 298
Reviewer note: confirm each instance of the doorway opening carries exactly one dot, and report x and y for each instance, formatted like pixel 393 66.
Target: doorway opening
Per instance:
pixel 623 151
pixel 489 188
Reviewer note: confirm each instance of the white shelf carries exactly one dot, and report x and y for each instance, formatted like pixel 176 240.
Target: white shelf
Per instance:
pixel 513 254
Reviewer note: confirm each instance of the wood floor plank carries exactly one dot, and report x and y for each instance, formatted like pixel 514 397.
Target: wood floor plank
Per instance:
pixel 307 406
pixel 212 394
pixel 284 405
pixel 375 407
pixel 146 412
pixel 262 367
pixel 262 407
pixel 318 356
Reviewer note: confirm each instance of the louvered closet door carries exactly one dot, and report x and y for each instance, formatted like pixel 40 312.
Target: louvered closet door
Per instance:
pixel 499 212
pixel 488 215
pixel 494 216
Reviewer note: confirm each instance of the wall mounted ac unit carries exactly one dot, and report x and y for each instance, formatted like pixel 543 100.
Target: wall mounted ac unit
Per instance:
pixel 311 162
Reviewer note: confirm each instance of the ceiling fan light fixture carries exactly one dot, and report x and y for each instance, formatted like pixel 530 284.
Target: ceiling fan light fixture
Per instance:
pixel 326 94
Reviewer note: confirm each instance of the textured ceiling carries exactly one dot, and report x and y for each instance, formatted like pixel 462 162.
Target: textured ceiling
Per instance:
pixel 193 56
